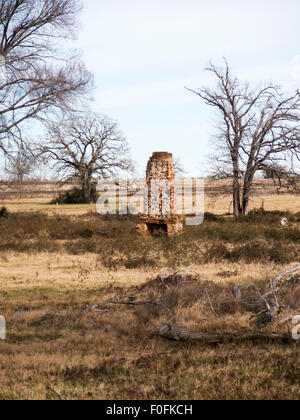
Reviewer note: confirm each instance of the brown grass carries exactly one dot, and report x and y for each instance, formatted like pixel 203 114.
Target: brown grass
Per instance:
pixel 37 197
pixel 116 355
pixel 65 264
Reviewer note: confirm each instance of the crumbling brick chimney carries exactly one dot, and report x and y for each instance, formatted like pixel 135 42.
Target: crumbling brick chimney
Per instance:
pixel 160 204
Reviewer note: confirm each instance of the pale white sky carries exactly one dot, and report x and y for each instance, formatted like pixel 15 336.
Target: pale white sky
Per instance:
pixel 143 53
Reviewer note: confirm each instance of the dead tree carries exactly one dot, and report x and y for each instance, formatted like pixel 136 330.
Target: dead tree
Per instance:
pixel 37 75
pixel 282 177
pixel 19 166
pixel 86 146
pixel 179 168
pixel 257 127
pixel 266 311
pixel 169 291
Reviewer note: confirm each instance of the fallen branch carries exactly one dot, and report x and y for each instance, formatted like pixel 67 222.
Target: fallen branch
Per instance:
pixel 268 302
pixel 60 396
pixel 119 300
pixel 275 280
pixel 183 334
pixel 98 308
pixel 210 303
pixel 46 317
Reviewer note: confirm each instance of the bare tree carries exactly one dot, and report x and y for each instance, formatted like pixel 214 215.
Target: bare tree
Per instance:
pixel 37 75
pixel 258 126
pixel 179 168
pixel 85 146
pixel 282 177
pixel 19 166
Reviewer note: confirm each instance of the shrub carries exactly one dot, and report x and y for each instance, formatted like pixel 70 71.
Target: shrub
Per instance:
pixel 114 239
pixel 210 217
pixel 86 233
pixel 75 196
pixel 4 212
pixel 217 252
pixel 266 217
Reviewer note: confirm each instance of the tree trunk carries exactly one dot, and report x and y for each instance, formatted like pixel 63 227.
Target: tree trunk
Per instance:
pixel 237 211
pixel 246 192
pixel 245 207
pixel 246 197
pixel 86 187
pixel 87 192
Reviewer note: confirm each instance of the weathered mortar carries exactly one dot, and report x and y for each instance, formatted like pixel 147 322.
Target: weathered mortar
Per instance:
pixel 160 209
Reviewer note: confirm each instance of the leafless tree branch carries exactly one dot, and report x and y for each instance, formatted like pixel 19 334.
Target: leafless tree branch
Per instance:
pixel 38 75
pixel 257 126
pixel 86 146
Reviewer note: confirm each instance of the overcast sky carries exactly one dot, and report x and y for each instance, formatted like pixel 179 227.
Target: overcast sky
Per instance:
pixel 143 53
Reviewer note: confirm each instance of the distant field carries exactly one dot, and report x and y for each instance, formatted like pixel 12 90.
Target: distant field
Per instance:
pixel 38 196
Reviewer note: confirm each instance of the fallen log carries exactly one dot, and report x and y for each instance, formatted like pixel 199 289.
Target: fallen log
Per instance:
pixel 174 333
pixel 275 280
pixel 48 316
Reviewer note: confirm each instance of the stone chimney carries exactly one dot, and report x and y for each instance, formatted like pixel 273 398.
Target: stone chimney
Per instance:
pixel 160 209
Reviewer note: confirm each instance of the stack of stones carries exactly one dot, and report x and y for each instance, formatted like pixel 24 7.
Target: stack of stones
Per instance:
pixel 160 203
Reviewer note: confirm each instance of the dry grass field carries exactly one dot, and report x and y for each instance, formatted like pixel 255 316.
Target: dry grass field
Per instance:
pixel 59 346
pixel 37 196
